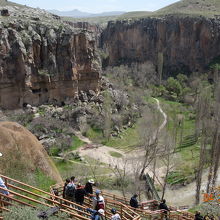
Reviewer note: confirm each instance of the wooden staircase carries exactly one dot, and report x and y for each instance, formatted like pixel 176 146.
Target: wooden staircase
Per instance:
pixel 26 195
pixel 148 209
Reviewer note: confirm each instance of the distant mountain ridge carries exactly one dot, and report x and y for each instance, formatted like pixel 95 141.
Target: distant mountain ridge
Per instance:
pixel 80 14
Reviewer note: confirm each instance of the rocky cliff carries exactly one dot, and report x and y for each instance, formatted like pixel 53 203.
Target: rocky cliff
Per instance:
pixel 180 43
pixel 42 59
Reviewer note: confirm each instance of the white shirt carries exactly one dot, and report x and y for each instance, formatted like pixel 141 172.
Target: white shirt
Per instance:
pixel 116 217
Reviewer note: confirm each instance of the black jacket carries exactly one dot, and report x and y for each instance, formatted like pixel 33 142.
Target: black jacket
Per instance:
pixel 163 206
pixel 88 188
pixel 79 195
pixel 134 202
pixel 198 217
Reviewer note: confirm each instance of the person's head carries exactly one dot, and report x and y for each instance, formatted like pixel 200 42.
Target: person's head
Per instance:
pixel 97 193
pixel 197 213
pixel 101 212
pixel 67 180
pixel 72 178
pixel 135 195
pixel 164 201
pixel 113 211
pixel 79 185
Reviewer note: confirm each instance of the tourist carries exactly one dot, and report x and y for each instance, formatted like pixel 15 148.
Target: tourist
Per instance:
pixel 70 191
pixel 134 201
pixel 2 184
pixel 198 216
pixel 64 187
pixel 163 206
pixel 115 215
pixel 97 215
pixel 79 194
pixel 89 187
pixel 98 201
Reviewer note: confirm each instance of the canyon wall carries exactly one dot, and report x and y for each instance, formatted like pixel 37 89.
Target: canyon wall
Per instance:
pixel 43 60
pixel 184 44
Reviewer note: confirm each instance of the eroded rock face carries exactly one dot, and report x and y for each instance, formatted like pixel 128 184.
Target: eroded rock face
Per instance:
pixel 186 44
pixel 43 60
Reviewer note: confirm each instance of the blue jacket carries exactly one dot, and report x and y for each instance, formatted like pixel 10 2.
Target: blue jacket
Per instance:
pixel 95 215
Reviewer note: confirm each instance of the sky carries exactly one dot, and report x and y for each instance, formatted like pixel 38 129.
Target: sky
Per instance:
pixel 97 6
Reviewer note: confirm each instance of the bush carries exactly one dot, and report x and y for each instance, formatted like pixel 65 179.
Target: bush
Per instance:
pixel 28 213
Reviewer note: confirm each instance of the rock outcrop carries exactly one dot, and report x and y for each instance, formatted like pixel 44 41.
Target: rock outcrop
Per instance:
pixel 183 43
pixel 44 60
pixel 23 154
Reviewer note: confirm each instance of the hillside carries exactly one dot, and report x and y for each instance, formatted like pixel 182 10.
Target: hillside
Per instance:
pixel 23 155
pixel 193 7
pixel 207 8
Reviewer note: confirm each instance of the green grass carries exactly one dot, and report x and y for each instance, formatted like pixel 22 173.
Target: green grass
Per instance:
pixel 127 140
pixel 115 154
pixel 187 157
pixel 76 143
pixel 81 170
pixel 42 181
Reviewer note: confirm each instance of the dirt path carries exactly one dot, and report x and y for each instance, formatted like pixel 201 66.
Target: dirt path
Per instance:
pixel 102 152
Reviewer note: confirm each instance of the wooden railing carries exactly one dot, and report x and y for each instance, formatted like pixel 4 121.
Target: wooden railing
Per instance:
pixel 146 211
pixel 125 212
pixel 24 194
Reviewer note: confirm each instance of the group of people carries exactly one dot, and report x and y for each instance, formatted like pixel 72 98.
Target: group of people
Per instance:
pixel 75 192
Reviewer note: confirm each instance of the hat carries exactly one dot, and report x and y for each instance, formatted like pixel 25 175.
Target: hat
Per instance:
pixel 91 181
pixel 101 211
pixel 97 191
pixel 0 154
pixel 113 211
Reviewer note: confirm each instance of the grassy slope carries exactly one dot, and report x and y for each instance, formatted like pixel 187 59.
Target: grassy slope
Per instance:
pixel 9 3
pixel 194 7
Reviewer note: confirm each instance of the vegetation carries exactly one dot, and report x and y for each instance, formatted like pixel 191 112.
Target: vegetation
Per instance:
pixel 28 213
pixel 115 154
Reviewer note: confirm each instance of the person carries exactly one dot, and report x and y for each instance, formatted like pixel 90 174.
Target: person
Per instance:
pixel 96 215
pixel 163 206
pixel 134 201
pixel 198 216
pixel 64 187
pixel 98 201
pixel 70 191
pixel 88 187
pixel 2 184
pixel 115 215
pixel 72 179
pixel 79 194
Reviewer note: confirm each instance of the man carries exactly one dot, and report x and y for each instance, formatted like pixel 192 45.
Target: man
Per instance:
pixel 198 216
pixel 70 191
pixel 115 215
pixel 88 187
pixel 97 215
pixel 134 201
pixel 2 184
pixel 164 207
pixel 98 201
pixel 79 194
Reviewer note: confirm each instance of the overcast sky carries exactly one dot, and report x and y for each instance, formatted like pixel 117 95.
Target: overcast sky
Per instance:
pixel 97 6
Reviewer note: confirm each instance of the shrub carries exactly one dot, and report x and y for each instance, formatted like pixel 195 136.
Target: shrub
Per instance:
pixel 28 213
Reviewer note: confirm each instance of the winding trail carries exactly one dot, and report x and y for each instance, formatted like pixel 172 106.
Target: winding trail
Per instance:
pixel 163 113
pixel 131 159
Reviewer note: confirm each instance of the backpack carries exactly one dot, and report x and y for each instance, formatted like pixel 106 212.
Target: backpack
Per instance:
pixel 100 205
pixel 70 190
